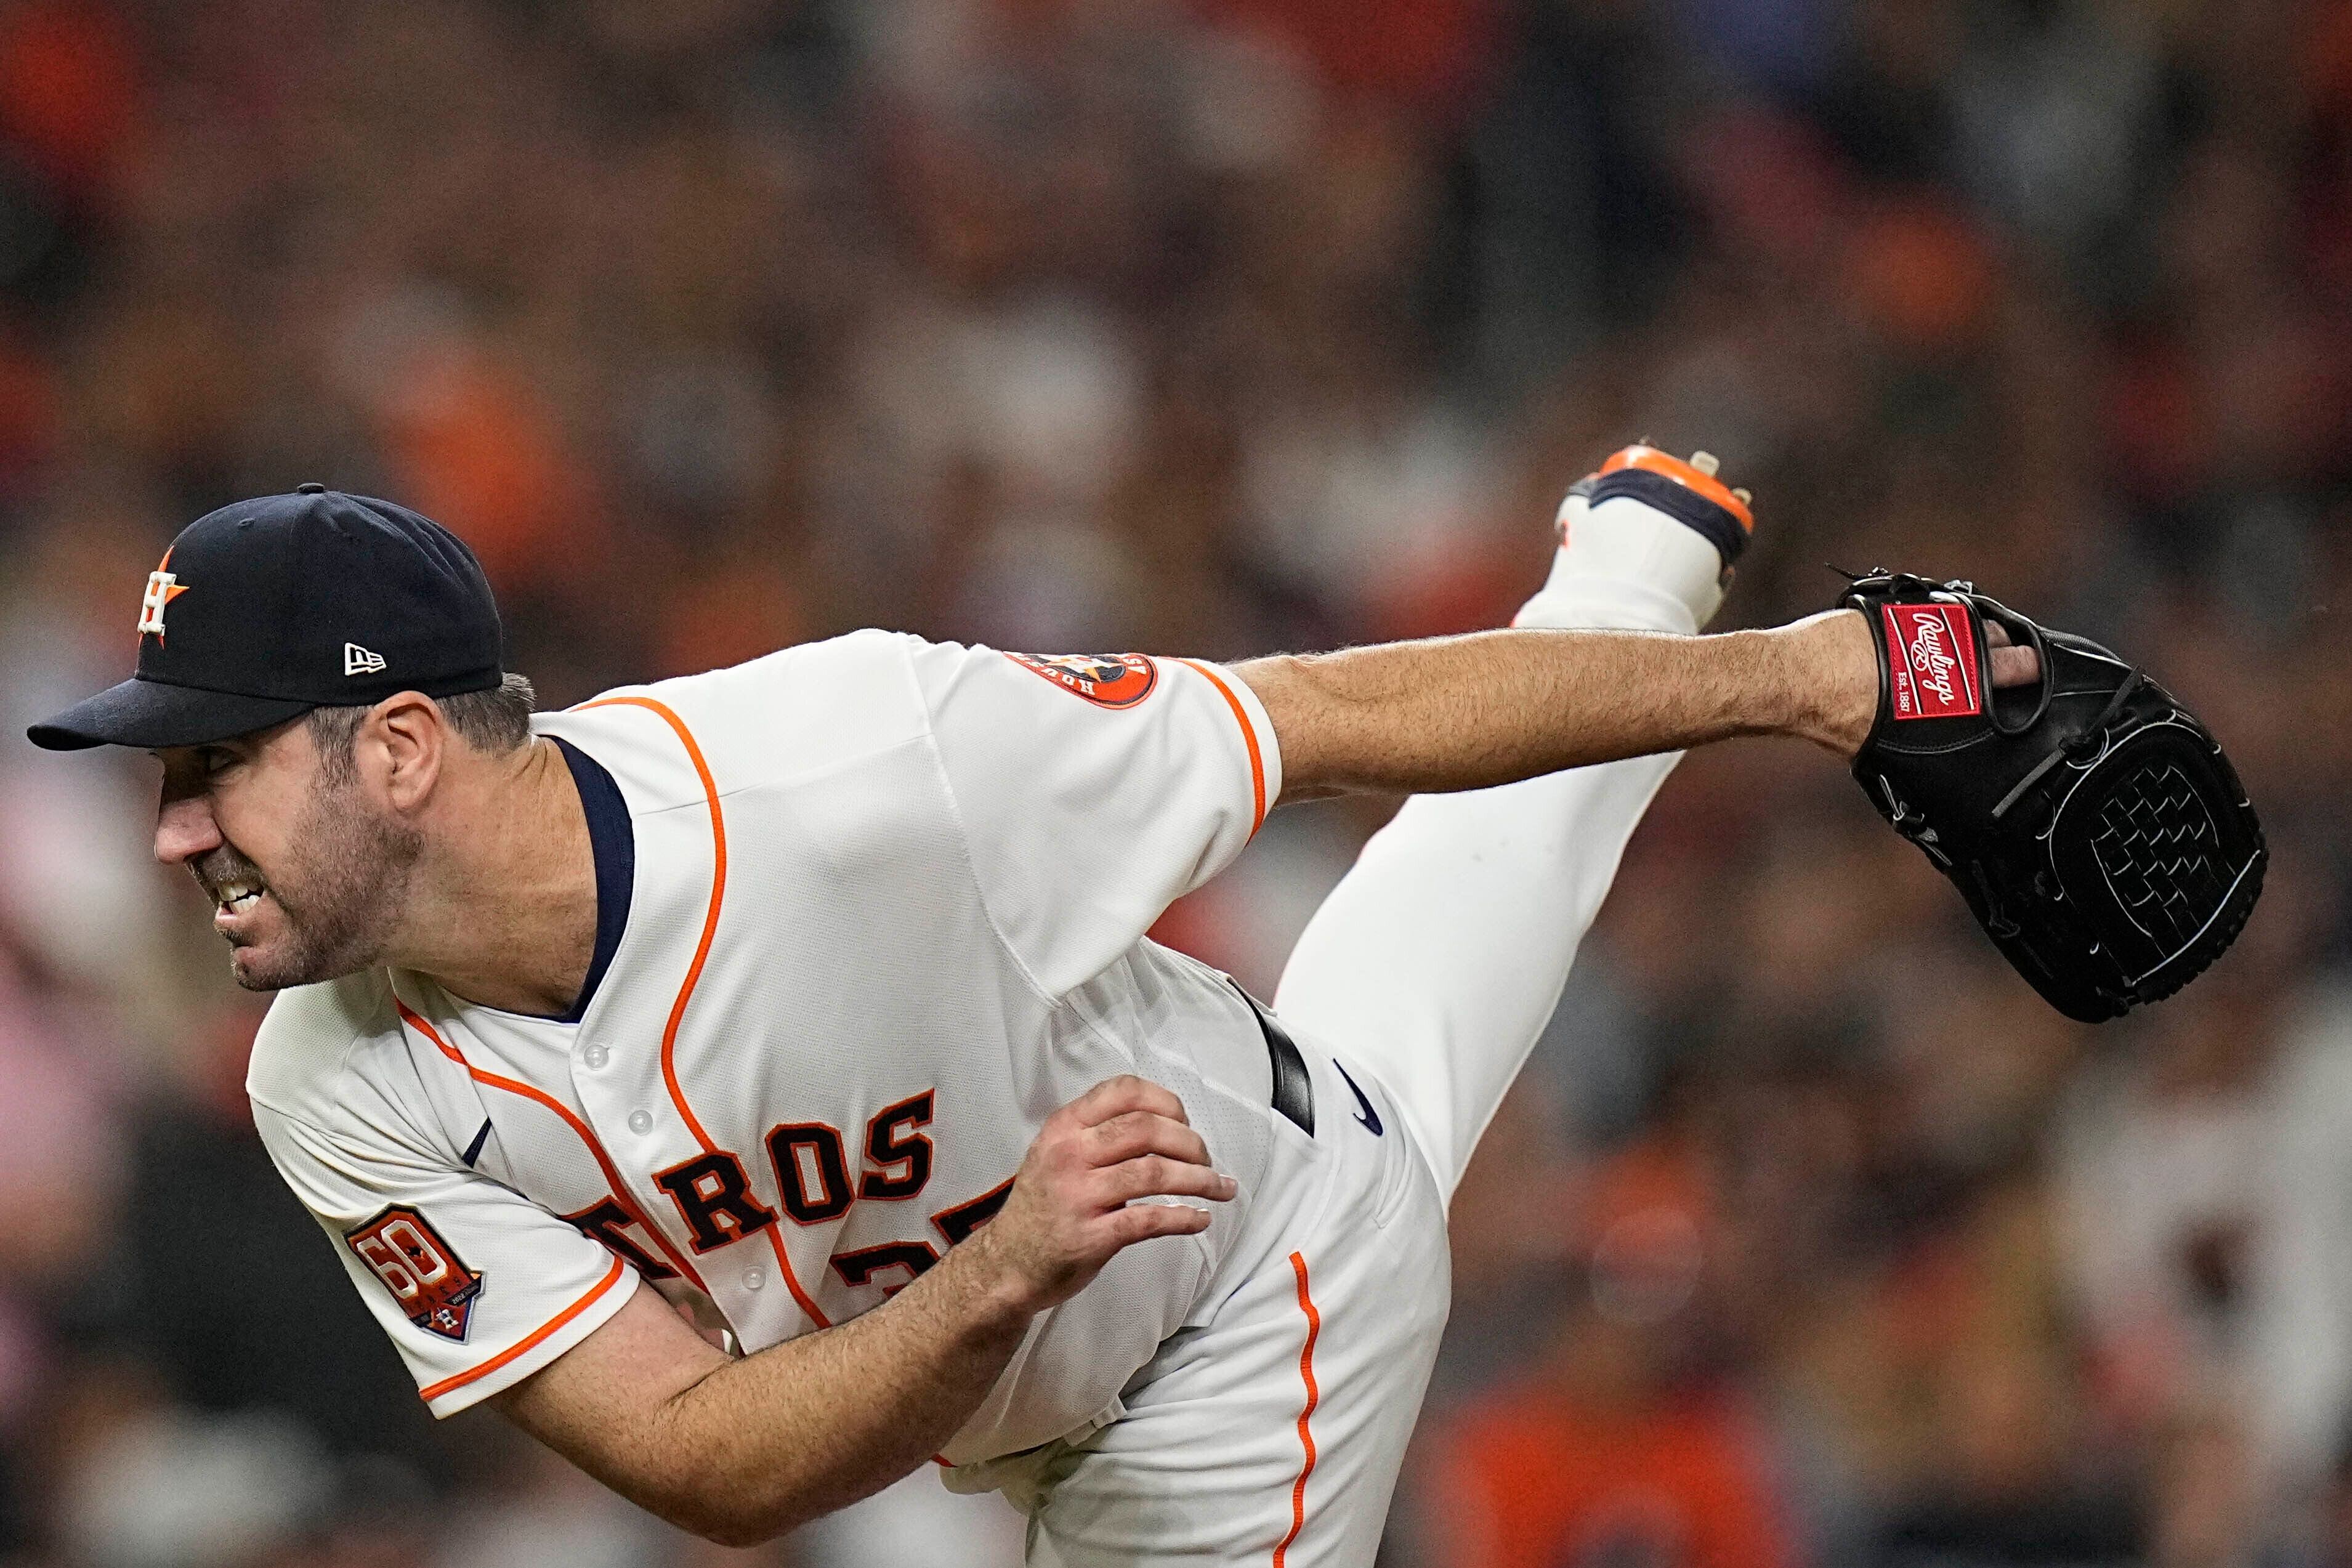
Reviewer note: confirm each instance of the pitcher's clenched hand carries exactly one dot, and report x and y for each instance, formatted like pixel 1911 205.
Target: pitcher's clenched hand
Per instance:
pixel 1074 1201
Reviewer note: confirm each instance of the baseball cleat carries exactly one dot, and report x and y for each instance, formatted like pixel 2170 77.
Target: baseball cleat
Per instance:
pixel 1650 518
pixel 1706 463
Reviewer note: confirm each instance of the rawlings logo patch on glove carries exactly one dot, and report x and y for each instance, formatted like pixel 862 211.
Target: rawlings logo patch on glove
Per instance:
pixel 2093 824
pixel 1929 676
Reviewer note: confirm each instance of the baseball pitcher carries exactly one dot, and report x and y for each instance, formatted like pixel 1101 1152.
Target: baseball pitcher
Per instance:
pixel 758 1085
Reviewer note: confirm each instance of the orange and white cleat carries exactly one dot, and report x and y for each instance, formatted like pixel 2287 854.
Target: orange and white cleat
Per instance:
pixel 1650 518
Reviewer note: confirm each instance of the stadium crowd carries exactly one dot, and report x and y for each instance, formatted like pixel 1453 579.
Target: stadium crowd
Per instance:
pixel 1811 1235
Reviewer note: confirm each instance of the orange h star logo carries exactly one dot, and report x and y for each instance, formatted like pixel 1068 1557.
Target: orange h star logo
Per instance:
pixel 162 589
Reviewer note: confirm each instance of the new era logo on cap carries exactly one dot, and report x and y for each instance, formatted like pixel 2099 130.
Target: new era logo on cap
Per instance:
pixel 357 660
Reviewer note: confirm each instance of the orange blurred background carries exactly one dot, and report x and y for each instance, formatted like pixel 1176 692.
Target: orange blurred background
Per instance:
pixel 1811 1235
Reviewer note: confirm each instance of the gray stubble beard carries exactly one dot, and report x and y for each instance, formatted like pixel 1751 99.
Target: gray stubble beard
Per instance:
pixel 351 880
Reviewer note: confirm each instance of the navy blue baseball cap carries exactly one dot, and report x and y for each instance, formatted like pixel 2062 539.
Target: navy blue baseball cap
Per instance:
pixel 267 610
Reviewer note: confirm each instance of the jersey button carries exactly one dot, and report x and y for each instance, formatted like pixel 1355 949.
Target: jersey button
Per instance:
pixel 753 1279
pixel 595 1056
pixel 641 1121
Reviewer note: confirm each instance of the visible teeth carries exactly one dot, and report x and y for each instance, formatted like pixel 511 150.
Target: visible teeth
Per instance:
pixel 235 895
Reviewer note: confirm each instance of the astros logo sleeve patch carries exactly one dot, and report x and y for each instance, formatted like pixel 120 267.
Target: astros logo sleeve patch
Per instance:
pixel 1104 679
pixel 420 1268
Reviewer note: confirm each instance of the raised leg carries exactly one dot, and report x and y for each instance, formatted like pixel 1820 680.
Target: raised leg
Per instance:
pixel 1439 958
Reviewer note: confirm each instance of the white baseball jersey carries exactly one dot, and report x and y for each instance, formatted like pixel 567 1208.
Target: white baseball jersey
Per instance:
pixel 885 914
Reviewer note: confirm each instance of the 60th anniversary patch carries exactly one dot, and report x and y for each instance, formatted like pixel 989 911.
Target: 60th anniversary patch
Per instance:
pixel 420 1268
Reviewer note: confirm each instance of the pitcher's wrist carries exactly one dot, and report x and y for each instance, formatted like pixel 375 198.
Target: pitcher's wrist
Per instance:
pixel 1823 681
pixel 1001 1295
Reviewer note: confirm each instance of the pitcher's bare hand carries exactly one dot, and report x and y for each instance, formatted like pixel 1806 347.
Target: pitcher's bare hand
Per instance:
pixel 1074 1200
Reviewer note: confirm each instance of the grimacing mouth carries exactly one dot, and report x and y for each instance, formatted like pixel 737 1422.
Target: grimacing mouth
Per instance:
pixel 236 897
pixel 237 891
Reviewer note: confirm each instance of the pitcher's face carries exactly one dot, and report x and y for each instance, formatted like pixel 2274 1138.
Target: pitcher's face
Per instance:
pixel 306 876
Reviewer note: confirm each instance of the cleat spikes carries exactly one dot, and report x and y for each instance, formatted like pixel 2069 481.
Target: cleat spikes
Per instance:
pixel 1705 463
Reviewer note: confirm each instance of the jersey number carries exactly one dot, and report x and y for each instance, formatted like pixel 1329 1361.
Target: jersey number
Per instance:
pixel 860 1267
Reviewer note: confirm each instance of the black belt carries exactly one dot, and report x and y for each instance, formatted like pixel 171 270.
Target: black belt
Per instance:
pixel 1294 1091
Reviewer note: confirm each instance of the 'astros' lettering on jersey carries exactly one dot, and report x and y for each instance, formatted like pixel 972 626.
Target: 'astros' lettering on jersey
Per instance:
pixel 887 915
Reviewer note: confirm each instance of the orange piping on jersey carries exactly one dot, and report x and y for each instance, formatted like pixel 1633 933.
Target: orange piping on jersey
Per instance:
pixel 1306 1436
pixel 694 970
pixel 587 1135
pixel 436 1391
pixel 1249 738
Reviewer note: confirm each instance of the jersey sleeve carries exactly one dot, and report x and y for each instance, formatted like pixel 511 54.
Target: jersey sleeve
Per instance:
pixel 1094 791
pixel 477 1287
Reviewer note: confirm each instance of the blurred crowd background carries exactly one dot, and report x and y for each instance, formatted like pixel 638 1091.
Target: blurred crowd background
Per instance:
pixel 1219 327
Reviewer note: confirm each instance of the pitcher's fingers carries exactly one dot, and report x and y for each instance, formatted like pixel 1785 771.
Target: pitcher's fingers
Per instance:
pixel 1137 1222
pixel 1156 1176
pixel 1117 1095
pixel 1125 1136
pixel 2015 666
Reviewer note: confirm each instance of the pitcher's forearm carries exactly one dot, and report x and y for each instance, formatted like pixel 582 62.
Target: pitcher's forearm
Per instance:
pixel 820 1421
pixel 1492 708
pixel 740 1451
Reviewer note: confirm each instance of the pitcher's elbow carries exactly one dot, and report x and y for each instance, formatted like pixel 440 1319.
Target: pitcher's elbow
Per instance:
pixel 732 1530
pixel 731 1522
